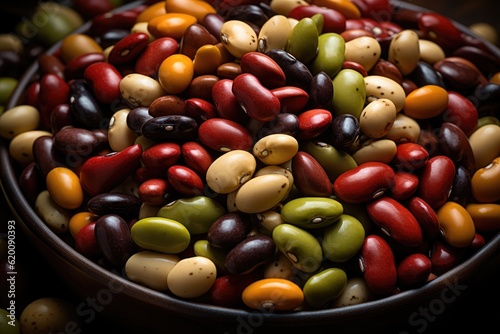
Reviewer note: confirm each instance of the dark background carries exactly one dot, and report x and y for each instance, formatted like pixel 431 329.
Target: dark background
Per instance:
pixel 476 308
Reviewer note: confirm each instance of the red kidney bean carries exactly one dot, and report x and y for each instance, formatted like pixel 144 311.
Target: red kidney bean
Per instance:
pixel 121 204
pixel 149 61
pixel 285 123
pixel 249 254
pixel 115 20
pixel 154 192
pixel 228 230
pixel 112 234
pixel 201 87
pixel 32 97
pixel 160 156
pixel 136 118
pixel 46 156
pixel 53 91
pixel 255 99
pixel 378 265
pixel 461 189
pixel 86 241
pixel 440 29
pixel 297 73
pixel 414 270
pixel 104 80
pixel 454 144
pixel 292 99
pixel 345 132
pixel 405 185
pixel 334 21
pixel 364 183
pixel 142 174
pixel 128 48
pixel 196 157
pixel 185 181
pixel 457 76
pixel 444 257
pixel 387 69
pixel 100 174
pixel 167 105
pixel 321 91
pixel 227 289
pixel 309 176
pixel 395 220
pixel 89 9
pixel 31 182
pixel 226 103
pixel 170 127
pixel 410 157
pixel 313 123
pixel 75 141
pixel 86 109
pixel 51 64
pixel 200 109
pixel 461 112
pixel 264 68
pixel 196 36
pixel 347 64
pixel 75 67
pixel 425 215
pixel 224 135
pixel 350 34
pixel 436 180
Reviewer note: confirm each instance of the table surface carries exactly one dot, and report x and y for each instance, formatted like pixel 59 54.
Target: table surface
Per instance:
pixel 476 307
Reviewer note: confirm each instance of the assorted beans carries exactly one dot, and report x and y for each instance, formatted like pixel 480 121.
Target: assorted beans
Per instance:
pixel 281 155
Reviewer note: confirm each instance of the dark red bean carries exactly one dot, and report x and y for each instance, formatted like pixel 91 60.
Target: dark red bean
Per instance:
pixel 285 123
pixel 378 265
pixel 75 67
pixel 454 143
pixel 228 230
pixel 149 61
pixel 334 21
pixel 161 156
pixel 364 183
pixel 414 270
pixel 227 289
pixel 461 189
pixel 185 181
pixel 425 215
pixel 410 157
pixel 224 135
pixel 440 30
pixel 53 91
pixel 249 13
pixel 313 123
pixel 104 80
pixel 196 36
pixel 263 68
pixel 46 156
pixel 444 257
pixel 405 185
pixel 292 99
pixel 196 157
pixel 226 103
pixel 31 182
pixel 154 192
pixel 113 237
pixel 51 64
pixel 321 91
pixel 249 254
pixel 387 69
pixel 167 105
pixel 457 76
pixel 436 180
pixel 75 141
pixel 461 112
pixel 200 109
pixel 86 241
pixel 395 220
pixel 309 176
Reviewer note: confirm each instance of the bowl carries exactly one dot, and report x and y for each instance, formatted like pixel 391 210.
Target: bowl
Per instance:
pixel 147 311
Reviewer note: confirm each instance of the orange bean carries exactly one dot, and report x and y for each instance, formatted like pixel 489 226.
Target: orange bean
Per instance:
pixel 64 187
pixel 456 224
pixel 79 220
pixel 175 73
pixel 273 293
pixel 170 25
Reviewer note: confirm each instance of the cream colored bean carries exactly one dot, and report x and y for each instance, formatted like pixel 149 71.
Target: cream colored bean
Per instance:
pixel 276 148
pixel 268 220
pixel 140 90
pixel 404 129
pixel 381 150
pixel 151 269
pixel 238 38
pixel 120 136
pixel 377 118
pixel 274 33
pixel 261 193
pixel 355 292
pixel 282 267
pixel 404 51
pixel 148 210
pixel 280 170
pixel 192 277
pixel 485 144
pixel 380 87
pixel 17 120
pixel 363 50
pixel 229 171
pixel 430 52
pixel 284 7
pixel 21 146
pixel 143 28
pixel 54 216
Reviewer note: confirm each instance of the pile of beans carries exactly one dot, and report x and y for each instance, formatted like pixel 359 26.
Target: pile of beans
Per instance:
pixel 276 154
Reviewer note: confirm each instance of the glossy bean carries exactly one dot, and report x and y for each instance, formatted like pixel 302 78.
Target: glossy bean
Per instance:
pixel 456 224
pixel 313 123
pixel 396 221
pixel 75 68
pixel 228 230
pixel 414 270
pixel 301 247
pixel 227 289
pixel 254 197
pixel 377 118
pixel 160 234
pixel 454 143
pixel 296 72
pixel 311 212
pixel 54 216
pixel 425 215
pixel 226 103
pixel 217 255
pixel 150 269
pixel 461 112
pixel 170 25
pixel 238 37
pixel 440 29
pixel 140 90
pixel 444 257
pixel 113 237
pixel 197 213
pixel 224 135
pixel 275 149
pixel 85 107
pixel 330 56
pixel 324 286
pixel 436 180
pixel 342 240
pixel 292 99
pixel 310 177
pixel 436 94
pixel 170 128
pixel 184 180
pixel 250 253
pixel 355 292
pixel 105 80
pixel 485 216
pixel 64 187
pixel 430 51
pixel 75 45
pixel 457 76
pixel 365 182
pixel 196 157
pixel 20 147
pixel 232 169
pixel 405 185
pixel 404 51
pixel 364 50
pixel 484 183
pixel 345 132
pixel 192 277
pixel 410 157
pixel 198 10
pixel 154 191
pixel 349 93
pixel 263 68
pixel 303 40
pixel 122 204
pixel 86 242
pixel 380 150
pixel 321 91
pixel 273 294
pixel 378 87
pixel 378 265
pixel 485 144
pixel 385 68
pixel 175 73
pixel 424 74
pixel 274 33
pixel 404 129
pixel 11 124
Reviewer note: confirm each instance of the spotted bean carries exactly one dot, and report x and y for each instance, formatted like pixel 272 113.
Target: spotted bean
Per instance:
pixel 191 277
pixel 232 169
pixel 54 216
pixel 150 269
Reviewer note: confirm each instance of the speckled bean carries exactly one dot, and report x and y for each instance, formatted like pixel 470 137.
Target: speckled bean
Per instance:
pixel 262 193
pixel 191 277
pixel 377 118
pixel 404 51
pixel 54 216
pixel 404 129
pixel 378 87
pixel 150 269
pixel 232 169
pixel 364 50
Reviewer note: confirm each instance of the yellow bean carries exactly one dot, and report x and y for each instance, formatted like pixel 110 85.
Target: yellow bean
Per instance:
pixel 485 183
pixel 456 224
pixel 486 216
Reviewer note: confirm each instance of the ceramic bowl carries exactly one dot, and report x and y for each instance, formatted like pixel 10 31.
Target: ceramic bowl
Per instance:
pixel 146 310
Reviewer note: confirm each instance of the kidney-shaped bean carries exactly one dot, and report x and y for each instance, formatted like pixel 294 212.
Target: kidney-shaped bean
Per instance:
pixel 436 180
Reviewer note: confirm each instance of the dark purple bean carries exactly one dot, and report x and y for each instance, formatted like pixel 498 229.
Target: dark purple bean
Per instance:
pixel 461 188
pixel 247 13
pixel 345 132
pixel 170 127
pixel 113 237
pixel 454 143
pixel 227 231
pixel 321 92
pixel 249 254
pixel 71 140
pixel 285 123
pixel 425 74
pixel 297 73
pixel 46 156
pixel 124 205
pixel 85 107
pixel 136 118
